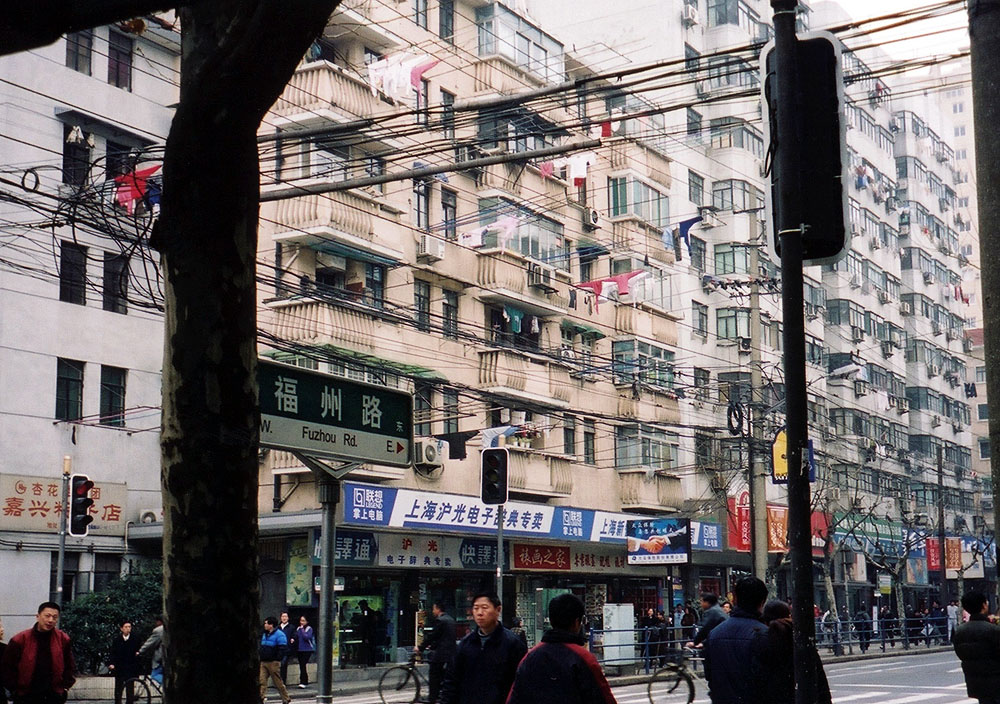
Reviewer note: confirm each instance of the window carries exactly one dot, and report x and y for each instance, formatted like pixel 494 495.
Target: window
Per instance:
pixel 79 46
pixel 112 396
pixel 960 131
pixel 702 378
pixel 694 124
pixel 422 93
pixel 961 154
pixel 107 570
pixel 120 61
pixel 698 251
pixel 422 395
pixel 116 160
pixel 569 435
pixel 736 195
pixel 446 20
pixel 449 313
pixel 371 56
pixel 630 196
pixel 375 166
pixel 691 58
pixel 730 132
pixel 957 108
pixel 644 446
pixel 699 318
pixel 72 273
pixel 535 236
pixel 984 448
pixel 115 282
pixel 422 304
pixel 325 159
pixel 420 13
pixel 512 326
pixel 502 32
pixel 983 410
pixel 375 285
pixel 448 114
pixel 449 213
pixel 589 441
pixel 696 188
pixel 731 323
pixel 732 259
pixel 421 204
pixel 633 360
pixel 981 374
pixel 734 12
pixel 69 389
pixel 76 156
pixel 450 411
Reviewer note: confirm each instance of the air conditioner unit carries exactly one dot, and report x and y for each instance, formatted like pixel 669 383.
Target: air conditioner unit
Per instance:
pixel 935 327
pixel 540 277
pixel 811 312
pixel 591 218
pixel 967 344
pixel 935 421
pixel 427 453
pixel 888 349
pixel 689 15
pixel 708 216
pixel 874 243
pixel 928 277
pixel 944 205
pixel 861 388
pixel 430 248
pixel 855 281
pixel 866 288
pixel 933 370
pixel 151 515
pixel 567 353
pixel 833 493
pixel 957 427
pixel 906 308
pixel 857 503
pixel 744 345
pixel 883 297
pixel 702 88
pixel 857 334
pixel 950 334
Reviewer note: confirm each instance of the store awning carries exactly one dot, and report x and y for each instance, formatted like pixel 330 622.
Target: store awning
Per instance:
pixel 581 329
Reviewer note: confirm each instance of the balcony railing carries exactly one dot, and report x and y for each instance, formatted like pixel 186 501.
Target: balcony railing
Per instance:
pixel 322 86
pixel 539 474
pixel 518 375
pixel 318 322
pixel 657 493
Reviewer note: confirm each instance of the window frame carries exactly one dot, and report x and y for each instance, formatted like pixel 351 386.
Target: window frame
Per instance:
pixel 120 60
pixel 113 390
pixel 69 389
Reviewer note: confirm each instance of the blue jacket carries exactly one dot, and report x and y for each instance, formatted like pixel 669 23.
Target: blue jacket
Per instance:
pixel 273 645
pixel 734 656
pixel 483 672
pixel 560 669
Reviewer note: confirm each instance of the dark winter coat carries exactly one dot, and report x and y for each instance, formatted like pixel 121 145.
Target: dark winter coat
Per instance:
pixel 483 672
pixel 709 620
pixel 560 669
pixel 439 640
pixel 734 659
pixel 977 644
pixel 779 675
pixel 124 657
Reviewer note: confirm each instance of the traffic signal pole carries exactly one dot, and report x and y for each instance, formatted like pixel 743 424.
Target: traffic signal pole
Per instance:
pixel 63 520
pixel 790 229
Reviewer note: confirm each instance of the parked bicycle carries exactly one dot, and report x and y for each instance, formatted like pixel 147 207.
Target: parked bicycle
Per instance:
pixel 402 684
pixel 146 689
pixel 673 683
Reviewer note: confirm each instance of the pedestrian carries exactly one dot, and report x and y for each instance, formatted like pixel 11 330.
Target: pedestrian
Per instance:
pixel 712 614
pixel 727 606
pixel 863 627
pixel 124 662
pixel 689 623
pixel 285 626
pixel 367 625
pixel 486 658
pixel 438 647
pixel 778 674
pixel 735 649
pixel 518 630
pixel 560 668
pixel 154 647
pixel 273 645
pixel 38 665
pixel 662 638
pixel 977 644
pixel 305 639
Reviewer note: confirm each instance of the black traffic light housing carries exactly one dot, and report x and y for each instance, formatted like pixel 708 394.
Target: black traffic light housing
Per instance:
pixel 493 485
pixel 80 503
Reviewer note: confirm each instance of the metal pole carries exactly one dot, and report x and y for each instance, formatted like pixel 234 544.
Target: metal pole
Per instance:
pixel 758 480
pixel 329 495
pixel 63 520
pixel 942 598
pixel 500 551
pixel 790 231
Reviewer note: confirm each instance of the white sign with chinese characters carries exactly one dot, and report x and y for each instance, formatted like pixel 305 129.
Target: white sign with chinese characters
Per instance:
pixel 35 504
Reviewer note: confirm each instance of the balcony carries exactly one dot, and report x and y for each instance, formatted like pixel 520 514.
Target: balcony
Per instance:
pixel 659 493
pixel 517 375
pixel 503 277
pixel 539 475
pixel 498 74
pixel 323 89
pixel 638 322
pixel 313 322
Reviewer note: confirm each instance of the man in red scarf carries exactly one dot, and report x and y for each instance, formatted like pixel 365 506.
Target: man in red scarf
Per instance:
pixel 38 663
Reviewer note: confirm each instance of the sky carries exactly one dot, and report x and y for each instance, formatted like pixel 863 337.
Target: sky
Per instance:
pixel 940 44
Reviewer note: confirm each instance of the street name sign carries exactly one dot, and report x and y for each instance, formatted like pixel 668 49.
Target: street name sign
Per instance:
pixel 328 416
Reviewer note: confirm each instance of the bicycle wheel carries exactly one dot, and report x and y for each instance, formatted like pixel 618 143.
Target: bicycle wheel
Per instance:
pixel 399 685
pixel 143 694
pixel 670 685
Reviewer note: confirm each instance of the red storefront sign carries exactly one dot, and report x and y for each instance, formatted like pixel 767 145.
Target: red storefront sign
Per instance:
pixel 777 526
pixel 541 557
pixel 933 549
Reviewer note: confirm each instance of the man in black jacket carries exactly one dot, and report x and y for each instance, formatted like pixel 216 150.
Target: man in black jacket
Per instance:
pixel 712 615
pixel 438 648
pixel 560 668
pixel 124 663
pixel 977 644
pixel 735 650
pixel 486 659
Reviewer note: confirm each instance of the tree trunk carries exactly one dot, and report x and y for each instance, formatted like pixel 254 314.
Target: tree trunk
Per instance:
pixel 897 587
pixel 236 58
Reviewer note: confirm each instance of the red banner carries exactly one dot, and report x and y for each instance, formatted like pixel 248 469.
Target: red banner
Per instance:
pixel 933 555
pixel 541 557
pixel 777 529
pixel 739 523
pixel 953 553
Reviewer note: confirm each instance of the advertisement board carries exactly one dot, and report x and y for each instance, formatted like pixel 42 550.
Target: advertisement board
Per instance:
pixel 665 541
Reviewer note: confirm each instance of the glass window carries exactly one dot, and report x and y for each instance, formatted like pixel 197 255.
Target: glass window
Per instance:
pixel 698 251
pixel 326 159
pixel 448 114
pixel 422 395
pixel 630 196
pixel 422 94
pixel 983 410
pixel 732 259
pixel 375 166
pixel 422 304
pixel 449 213
pixel 981 374
pixel 633 360
pixel 589 441
pixel 421 204
pixel 116 160
pixel 696 188
pixel 446 20
pixel 449 313
pixel 72 273
pixel 691 58
pixel 694 120
pixel 569 435
pixel 502 32
pixel 115 282
pixel 79 47
pixel 533 235
pixel 112 396
pixel 75 156
pixel 984 448
pixel 732 323
pixel 120 61
pixel 699 318
pixel 450 398
pixel 420 13
pixel 736 195
pixel 69 389
pixel 375 285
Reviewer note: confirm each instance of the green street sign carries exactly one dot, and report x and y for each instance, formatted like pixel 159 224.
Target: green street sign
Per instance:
pixel 329 416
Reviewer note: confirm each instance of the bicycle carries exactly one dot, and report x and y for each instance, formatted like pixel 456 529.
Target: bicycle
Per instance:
pixel 146 689
pixel 401 684
pixel 673 683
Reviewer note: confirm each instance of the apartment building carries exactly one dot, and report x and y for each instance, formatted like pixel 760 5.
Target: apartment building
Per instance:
pixel 80 347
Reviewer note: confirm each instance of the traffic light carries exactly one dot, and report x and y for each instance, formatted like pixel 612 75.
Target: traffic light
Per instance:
pixel 493 488
pixel 79 504
pixel 823 163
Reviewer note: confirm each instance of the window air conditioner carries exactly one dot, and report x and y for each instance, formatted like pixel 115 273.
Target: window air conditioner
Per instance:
pixel 427 453
pixel 591 218
pixel 689 15
pixel 151 515
pixel 430 248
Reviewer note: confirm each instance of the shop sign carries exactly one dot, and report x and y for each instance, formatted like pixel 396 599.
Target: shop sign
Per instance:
pixel 933 555
pixel 352 548
pixel 664 541
pixel 35 504
pixel 541 557
pixel 597 560
pixel 370 505
pixel 916 570
pixel 953 553
pixel 298 573
pixel 706 536
pixel 884 584
pixel 777 529
pixel 439 552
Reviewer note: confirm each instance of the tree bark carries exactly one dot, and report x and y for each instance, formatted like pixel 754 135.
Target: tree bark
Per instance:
pixel 236 58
